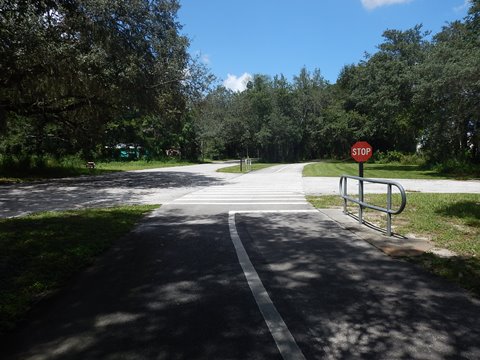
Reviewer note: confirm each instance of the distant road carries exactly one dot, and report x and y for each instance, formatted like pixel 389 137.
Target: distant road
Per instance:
pixel 329 186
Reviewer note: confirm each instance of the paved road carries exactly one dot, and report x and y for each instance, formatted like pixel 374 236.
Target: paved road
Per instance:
pixel 329 186
pixel 244 268
pixel 133 187
pixel 164 185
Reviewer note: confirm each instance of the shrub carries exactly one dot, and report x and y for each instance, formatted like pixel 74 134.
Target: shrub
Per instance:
pixel 387 157
pixel 412 159
pixel 458 168
pixel 72 161
pixel 394 156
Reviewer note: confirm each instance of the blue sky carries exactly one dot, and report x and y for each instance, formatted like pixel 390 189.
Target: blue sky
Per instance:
pixel 238 38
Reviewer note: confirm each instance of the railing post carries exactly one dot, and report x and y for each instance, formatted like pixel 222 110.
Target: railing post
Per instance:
pixel 361 201
pixel 360 197
pixel 389 207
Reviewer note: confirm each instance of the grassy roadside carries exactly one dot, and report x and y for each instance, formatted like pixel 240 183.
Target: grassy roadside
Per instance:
pixel 389 171
pixel 450 221
pixel 42 251
pixel 236 168
pixel 77 168
pixel 139 165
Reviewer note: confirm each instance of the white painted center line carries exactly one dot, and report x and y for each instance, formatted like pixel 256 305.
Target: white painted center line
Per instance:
pixel 285 341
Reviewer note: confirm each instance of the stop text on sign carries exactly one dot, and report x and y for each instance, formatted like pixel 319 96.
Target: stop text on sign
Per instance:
pixel 361 151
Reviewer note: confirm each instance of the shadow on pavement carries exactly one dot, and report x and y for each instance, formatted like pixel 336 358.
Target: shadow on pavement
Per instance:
pixel 341 298
pixel 114 189
pixel 173 289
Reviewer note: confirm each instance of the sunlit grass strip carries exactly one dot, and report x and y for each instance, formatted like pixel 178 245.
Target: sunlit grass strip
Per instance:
pixel 78 168
pixel 140 165
pixel 236 168
pixel 41 252
pixel 386 171
pixel 451 221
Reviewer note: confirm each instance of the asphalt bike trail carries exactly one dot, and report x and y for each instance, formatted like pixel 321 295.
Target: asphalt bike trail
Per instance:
pixel 246 269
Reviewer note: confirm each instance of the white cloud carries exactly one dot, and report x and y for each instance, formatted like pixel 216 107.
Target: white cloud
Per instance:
pixel 372 4
pixel 466 4
pixel 237 84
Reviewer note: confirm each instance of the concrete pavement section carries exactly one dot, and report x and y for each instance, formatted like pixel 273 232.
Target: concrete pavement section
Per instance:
pixel 329 186
pixel 181 287
pixel 396 245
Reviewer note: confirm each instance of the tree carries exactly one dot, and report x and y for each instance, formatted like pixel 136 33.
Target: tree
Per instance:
pixel 69 67
pixel 449 91
pixel 310 102
pixel 382 86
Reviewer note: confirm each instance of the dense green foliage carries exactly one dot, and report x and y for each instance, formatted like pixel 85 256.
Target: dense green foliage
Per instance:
pixel 78 77
pixel 416 93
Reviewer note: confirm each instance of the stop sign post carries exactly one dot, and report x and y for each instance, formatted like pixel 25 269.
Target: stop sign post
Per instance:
pixel 361 151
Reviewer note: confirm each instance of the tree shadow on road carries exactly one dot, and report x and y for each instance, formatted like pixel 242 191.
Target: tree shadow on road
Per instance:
pixel 172 290
pixel 100 191
pixel 349 300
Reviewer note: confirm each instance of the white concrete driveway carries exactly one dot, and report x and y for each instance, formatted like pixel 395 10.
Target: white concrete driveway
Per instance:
pixel 329 186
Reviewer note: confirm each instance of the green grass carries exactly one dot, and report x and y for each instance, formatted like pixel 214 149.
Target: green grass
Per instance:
pixel 450 221
pixel 325 201
pixel 41 252
pixel 139 165
pixel 20 174
pixel 463 271
pixel 51 172
pixel 389 171
pixel 236 168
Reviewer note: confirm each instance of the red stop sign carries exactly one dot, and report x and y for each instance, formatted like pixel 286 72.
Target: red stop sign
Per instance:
pixel 361 151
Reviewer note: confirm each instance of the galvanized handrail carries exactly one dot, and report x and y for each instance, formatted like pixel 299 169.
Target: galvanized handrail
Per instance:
pixel 388 210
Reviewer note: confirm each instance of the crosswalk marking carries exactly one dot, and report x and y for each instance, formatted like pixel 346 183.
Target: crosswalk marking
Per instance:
pixel 236 194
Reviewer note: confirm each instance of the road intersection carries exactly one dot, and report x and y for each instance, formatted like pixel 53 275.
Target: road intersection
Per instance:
pixel 242 267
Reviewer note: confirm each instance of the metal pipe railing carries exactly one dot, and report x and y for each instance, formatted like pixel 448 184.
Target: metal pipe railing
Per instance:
pixel 343 187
